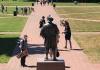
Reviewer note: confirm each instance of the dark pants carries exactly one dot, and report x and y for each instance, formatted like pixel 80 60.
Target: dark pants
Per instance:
pixel 23 60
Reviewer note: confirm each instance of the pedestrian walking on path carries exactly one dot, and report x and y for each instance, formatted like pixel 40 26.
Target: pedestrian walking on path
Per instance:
pixel 50 33
pixel 42 22
pixel 67 32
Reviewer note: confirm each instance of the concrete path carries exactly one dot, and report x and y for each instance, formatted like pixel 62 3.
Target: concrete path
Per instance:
pixel 2 66
pixel 74 59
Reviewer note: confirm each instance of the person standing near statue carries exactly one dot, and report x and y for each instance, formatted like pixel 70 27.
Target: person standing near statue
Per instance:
pixel 67 32
pixel 50 33
pixel 24 49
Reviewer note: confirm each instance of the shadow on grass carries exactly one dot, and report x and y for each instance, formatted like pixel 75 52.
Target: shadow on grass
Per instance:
pixel 7 45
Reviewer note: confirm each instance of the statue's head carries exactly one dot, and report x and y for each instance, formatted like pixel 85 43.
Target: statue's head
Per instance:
pixel 49 18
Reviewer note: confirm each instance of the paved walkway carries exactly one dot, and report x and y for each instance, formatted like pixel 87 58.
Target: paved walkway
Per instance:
pixel 74 59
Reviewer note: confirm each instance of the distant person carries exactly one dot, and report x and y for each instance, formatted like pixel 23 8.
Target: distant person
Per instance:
pixel 48 2
pixel 67 33
pixel 24 49
pixel 37 1
pixel 32 8
pixel 25 10
pixel 17 9
pixel 29 9
pixel 50 33
pixel 2 8
pixel 52 2
pixel 44 2
pixel 42 22
pixel 41 2
pixel 75 2
pixel 22 11
pixel 32 4
pixel 54 6
pixel 6 9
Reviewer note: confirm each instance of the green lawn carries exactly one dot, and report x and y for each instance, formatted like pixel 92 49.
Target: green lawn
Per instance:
pixel 79 4
pixel 16 3
pixel 5 15
pixel 84 26
pixel 10 10
pixel 92 13
pixel 7 45
pixel 12 24
pixel 90 16
pixel 91 45
pixel 69 10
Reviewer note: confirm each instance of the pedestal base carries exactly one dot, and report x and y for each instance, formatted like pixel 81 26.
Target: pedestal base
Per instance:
pixel 51 65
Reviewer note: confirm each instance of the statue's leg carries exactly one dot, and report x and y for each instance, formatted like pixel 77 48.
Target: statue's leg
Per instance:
pixel 54 54
pixel 47 51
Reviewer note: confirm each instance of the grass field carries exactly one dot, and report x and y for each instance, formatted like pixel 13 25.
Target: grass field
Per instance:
pixel 79 4
pixel 12 24
pixel 91 45
pixel 7 45
pixel 84 26
pixel 16 3
pixel 9 23
pixel 90 16
pixel 69 10
pixel 10 10
pixel 90 13
pixel 5 15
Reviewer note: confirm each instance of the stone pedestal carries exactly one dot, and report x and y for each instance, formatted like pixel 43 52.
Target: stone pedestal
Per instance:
pixel 51 65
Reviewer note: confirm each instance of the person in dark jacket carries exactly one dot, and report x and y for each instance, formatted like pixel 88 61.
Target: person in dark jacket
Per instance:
pixel 25 10
pixel 50 33
pixel 24 50
pixel 42 22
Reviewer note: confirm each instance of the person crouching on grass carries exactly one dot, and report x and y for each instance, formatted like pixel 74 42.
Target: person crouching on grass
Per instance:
pixel 67 32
